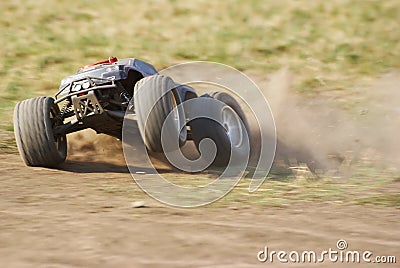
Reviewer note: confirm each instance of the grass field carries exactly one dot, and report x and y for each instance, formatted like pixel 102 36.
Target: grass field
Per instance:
pixel 330 46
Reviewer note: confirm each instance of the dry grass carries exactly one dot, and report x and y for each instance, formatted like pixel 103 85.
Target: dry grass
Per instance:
pixel 330 45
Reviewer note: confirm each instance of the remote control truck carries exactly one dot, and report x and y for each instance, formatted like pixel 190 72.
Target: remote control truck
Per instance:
pixel 98 96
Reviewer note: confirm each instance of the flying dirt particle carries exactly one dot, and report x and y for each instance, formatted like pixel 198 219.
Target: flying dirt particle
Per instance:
pixel 138 204
pixel 86 145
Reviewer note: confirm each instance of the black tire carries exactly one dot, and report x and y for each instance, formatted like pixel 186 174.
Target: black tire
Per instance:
pixel 154 98
pixel 231 102
pixel 202 128
pixel 34 120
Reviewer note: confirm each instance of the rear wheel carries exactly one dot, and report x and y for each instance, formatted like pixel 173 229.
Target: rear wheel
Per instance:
pixel 227 136
pixel 34 121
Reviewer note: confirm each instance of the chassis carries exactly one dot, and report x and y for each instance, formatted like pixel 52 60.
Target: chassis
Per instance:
pixel 98 96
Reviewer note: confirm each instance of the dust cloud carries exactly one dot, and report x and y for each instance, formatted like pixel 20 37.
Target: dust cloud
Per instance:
pixel 86 145
pixel 320 133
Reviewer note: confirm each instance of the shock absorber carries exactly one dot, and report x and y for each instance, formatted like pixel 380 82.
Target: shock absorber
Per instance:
pixel 125 96
pixel 65 108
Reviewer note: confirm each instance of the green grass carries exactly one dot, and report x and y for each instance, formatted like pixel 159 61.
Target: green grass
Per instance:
pixel 389 200
pixel 366 186
pixel 7 145
pixel 328 44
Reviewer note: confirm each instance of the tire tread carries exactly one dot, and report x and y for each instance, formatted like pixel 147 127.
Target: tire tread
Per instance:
pixel 33 133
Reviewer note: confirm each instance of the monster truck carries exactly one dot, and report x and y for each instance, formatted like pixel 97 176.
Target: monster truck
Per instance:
pixel 98 96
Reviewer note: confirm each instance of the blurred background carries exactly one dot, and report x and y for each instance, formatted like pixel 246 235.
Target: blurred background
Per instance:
pixel 330 71
pixel 331 46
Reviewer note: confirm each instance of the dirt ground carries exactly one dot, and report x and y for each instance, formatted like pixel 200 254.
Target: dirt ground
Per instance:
pixel 90 214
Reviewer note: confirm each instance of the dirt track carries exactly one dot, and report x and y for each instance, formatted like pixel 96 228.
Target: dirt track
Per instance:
pixel 85 216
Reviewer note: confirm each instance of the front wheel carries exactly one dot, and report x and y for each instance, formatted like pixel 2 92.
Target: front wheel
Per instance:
pixel 154 98
pixel 34 121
